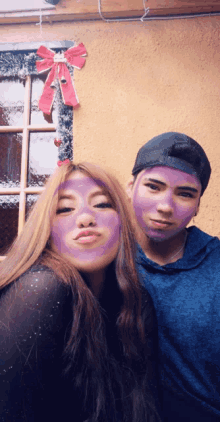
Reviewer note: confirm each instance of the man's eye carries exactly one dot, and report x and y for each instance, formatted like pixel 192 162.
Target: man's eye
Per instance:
pixel 63 210
pixel 186 195
pixel 152 186
pixel 103 205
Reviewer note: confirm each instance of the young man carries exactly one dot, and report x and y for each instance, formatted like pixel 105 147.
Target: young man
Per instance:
pixel 181 270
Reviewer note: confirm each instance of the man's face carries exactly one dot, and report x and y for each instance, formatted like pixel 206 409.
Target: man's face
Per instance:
pixel 164 201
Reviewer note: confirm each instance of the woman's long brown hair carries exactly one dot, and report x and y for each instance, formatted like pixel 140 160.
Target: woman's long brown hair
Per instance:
pixel 87 333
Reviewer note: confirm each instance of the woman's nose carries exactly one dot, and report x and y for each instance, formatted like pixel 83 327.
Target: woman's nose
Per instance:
pixel 85 220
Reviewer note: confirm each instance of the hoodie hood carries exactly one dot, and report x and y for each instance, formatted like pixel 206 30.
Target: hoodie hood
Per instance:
pixel 198 246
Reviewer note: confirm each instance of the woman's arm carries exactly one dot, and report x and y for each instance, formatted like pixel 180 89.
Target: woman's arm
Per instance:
pixel 35 313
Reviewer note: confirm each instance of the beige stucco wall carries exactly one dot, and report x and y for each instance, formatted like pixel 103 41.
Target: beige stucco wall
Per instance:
pixel 142 79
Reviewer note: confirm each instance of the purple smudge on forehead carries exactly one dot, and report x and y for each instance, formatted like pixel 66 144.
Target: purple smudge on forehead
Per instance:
pixel 81 185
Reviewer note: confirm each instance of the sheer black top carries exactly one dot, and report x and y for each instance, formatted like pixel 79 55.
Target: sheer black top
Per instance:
pixel 36 314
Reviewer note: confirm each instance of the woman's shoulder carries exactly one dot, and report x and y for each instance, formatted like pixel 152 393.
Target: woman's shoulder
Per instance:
pixel 36 303
pixel 38 268
pixel 42 276
pixel 38 286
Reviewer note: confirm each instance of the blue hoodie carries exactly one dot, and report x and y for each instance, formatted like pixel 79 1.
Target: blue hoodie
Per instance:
pixel 186 296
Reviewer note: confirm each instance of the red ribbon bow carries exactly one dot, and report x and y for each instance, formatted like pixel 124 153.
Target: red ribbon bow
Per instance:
pixel 57 63
pixel 60 163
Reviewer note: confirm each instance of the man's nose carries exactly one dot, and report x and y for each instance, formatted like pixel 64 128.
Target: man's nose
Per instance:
pixel 166 203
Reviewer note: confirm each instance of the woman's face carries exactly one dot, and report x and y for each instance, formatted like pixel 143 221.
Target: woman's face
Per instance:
pixel 85 228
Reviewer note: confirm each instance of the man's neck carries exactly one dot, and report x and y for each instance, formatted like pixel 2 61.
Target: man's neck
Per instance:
pixel 164 252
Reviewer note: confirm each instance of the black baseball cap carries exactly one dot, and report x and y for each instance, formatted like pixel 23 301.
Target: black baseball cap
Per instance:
pixel 176 150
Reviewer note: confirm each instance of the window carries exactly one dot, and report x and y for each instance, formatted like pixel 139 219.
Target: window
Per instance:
pixel 22 5
pixel 28 154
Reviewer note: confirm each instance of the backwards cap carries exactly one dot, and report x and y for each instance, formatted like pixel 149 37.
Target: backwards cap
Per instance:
pixel 175 150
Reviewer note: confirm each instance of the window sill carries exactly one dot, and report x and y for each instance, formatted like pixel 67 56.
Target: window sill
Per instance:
pixel 73 10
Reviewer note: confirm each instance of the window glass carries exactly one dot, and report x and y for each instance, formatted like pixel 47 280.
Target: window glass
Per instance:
pixel 10 159
pixel 37 117
pixel 21 5
pixel 11 102
pixel 9 205
pixel 43 157
pixel 30 201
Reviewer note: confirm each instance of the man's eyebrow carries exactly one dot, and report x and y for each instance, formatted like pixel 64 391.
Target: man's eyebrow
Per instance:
pixel 189 188
pixel 156 181
pixel 185 188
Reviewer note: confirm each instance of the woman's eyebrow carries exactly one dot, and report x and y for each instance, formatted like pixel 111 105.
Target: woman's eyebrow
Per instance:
pixel 71 195
pixel 97 193
pixel 66 196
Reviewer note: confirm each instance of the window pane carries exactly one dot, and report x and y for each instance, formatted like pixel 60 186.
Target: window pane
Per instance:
pixel 37 116
pixel 30 201
pixel 43 157
pixel 15 5
pixel 10 159
pixel 11 102
pixel 9 205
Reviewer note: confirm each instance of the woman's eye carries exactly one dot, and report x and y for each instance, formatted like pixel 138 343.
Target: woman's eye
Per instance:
pixel 63 210
pixel 103 205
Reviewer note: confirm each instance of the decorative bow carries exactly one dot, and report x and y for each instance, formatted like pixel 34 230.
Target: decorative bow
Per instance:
pixel 60 163
pixel 59 70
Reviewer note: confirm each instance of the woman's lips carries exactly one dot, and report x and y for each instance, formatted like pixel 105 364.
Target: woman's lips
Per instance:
pixel 161 224
pixel 86 236
pixel 87 239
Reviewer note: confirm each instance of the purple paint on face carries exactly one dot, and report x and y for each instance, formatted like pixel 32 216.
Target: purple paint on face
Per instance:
pixel 86 227
pixel 165 200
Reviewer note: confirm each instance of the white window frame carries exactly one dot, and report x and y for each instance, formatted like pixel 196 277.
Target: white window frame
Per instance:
pixel 23 190
pixel 25 129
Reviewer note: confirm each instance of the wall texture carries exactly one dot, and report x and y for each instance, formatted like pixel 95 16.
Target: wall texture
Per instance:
pixel 142 79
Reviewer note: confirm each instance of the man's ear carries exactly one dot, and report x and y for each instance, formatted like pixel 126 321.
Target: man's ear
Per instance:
pixel 129 187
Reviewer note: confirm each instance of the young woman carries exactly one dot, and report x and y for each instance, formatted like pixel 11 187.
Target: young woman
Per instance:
pixel 77 338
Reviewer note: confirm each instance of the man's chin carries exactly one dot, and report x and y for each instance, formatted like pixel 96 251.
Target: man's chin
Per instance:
pixel 162 236
pixel 159 235
pixel 157 239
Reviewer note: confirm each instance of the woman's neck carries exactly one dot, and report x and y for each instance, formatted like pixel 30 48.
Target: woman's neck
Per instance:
pixel 167 251
pixel 95 281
